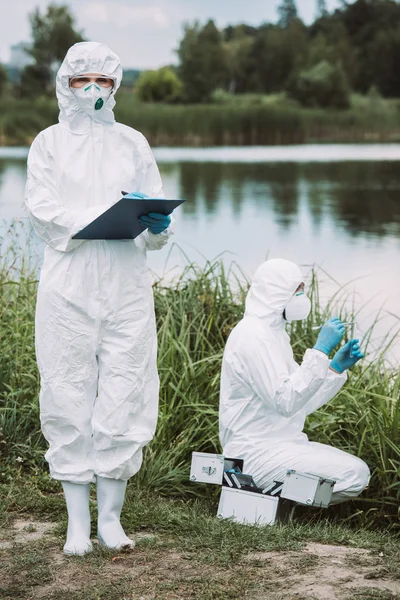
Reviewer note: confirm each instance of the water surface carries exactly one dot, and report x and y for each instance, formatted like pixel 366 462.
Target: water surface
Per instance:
pixel 336 206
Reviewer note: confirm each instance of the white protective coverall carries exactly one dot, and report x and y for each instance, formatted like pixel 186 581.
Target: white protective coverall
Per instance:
pixel 96 340
pixel 266 396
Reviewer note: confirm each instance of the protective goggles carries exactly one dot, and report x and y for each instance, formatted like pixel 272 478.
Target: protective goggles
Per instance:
pixel 101 81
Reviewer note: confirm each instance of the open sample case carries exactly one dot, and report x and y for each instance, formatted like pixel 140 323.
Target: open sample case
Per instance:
pixel 242 501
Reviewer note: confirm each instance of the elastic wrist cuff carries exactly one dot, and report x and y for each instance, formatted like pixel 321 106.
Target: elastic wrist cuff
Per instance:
pixel 321 349
pixel 336 367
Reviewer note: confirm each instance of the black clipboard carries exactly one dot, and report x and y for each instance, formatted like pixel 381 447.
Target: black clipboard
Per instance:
pixel 120 222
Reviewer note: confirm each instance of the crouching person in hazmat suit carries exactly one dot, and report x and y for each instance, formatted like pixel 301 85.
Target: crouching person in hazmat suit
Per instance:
pixel 266 396
pixel 96 340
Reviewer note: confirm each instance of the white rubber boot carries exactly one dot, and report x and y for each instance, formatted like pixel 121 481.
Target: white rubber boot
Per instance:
pixel 78 536
pixel 110 499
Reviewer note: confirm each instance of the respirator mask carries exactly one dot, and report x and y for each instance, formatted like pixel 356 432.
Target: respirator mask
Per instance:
pixel 92 97
pixel 298 308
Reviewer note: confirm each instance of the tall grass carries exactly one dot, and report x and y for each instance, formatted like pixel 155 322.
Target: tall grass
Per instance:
pixel 258 123
pixel 195 315
pixel 240 121
pixel 22 120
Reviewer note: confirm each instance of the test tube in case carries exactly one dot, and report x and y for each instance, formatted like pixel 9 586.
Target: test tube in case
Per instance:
pixel 248 508
pixel 307 489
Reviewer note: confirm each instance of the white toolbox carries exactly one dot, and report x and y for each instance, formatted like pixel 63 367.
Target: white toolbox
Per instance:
pixel 247 508
pixel 307 489
pixel 207 468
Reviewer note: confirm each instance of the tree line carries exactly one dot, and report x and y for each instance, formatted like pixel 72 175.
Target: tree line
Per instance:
pixel 355 48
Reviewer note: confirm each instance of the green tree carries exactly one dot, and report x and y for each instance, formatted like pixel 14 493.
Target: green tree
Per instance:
pixel 232 32
pixel 329 40
pixel 203 65
pixel 238 45
pixel 383 60
pixel 34 81
pixel 365 21
pixel 53 33
pixel 322 10
pixel 324 85
pixel 162 85
pixel 287 12
pixel 275 55
pixel 3 79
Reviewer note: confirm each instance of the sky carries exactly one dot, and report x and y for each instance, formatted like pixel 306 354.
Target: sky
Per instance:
pixel 144 33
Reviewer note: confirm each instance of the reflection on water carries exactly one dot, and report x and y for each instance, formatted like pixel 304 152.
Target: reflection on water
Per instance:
pixel 344 216
pixel 364 198
pixel 12 186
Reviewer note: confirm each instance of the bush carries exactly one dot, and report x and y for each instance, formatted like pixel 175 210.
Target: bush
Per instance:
pixel 324 85
pixel 162 85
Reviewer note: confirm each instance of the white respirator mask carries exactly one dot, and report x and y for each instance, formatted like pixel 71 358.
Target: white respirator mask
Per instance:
pixel 298 308
pixel 91 98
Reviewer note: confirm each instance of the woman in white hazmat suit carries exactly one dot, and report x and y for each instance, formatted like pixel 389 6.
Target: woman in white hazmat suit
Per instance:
pixel 266 396
pixel 96 340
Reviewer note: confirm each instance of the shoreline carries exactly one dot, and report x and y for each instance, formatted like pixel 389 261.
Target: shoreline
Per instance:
pixel 289 153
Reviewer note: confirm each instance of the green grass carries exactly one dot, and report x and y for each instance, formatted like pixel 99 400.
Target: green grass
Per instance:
pixel 191 523
pixel 194 316
pixel 182 551
pixel 250 119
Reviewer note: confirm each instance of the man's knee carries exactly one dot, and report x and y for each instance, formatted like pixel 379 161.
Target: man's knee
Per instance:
pixel 358 477
pixel 363 474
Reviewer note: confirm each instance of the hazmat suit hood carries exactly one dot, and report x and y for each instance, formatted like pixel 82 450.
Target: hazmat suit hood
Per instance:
pixel 274 283
pixel 82 58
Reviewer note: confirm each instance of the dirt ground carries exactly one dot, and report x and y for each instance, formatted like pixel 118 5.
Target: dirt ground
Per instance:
pixel 32 567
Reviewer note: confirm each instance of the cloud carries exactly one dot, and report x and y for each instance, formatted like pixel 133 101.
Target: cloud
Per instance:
pixel 121 15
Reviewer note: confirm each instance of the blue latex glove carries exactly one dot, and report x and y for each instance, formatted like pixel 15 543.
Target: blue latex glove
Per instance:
pixel 330 335
pixel 155 222
pixel 139 195
pixel 347 356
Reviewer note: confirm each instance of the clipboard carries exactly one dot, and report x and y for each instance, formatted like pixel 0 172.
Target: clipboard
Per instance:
pixel 120 221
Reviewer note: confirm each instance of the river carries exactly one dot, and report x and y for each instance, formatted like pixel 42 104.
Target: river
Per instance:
pixel 334 206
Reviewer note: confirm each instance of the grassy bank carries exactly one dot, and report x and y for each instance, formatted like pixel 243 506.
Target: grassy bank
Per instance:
pixel 248 120
pixel 195 316
pixel 182 551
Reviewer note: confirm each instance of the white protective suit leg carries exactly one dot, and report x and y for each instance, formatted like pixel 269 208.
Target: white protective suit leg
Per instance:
pixel 110 499
pixel 78 536
pixel 126 408
pixel 67 364
pixel 350 472
pixel 99 387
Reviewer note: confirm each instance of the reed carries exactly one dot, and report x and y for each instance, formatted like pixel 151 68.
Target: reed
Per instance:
pixel 248 120
pixel 259 122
